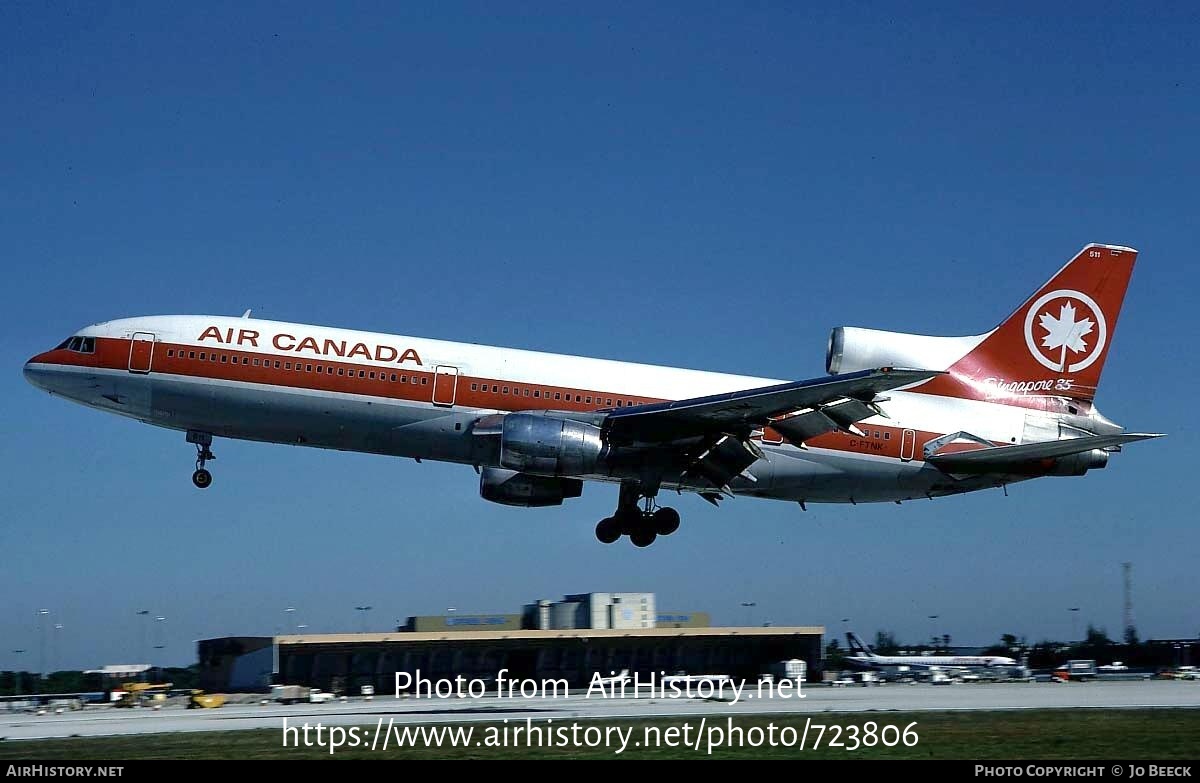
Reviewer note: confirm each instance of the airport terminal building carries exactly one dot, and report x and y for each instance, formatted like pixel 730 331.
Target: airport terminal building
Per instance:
pixel 569 640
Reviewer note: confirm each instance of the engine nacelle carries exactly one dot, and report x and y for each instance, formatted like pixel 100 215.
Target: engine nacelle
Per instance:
pixel 546 446
pixel 511 488
pixel 1078 464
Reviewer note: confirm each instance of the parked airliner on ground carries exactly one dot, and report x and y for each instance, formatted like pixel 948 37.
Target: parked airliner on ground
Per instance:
pixel 863 657
pixel 899 417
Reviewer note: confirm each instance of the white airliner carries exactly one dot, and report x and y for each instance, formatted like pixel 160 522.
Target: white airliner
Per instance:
pixel 863 657
pixel 899 416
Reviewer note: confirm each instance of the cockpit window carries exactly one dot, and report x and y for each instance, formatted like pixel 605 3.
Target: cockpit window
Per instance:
pixel 63 344
pixel 80 344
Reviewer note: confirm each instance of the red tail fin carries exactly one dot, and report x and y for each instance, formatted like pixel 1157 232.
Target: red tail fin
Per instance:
pixel 1055 343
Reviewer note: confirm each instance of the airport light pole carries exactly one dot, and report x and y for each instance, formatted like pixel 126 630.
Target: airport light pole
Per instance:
pixel 17 684
pixel 142 632
pixel 42 636
pixel 160 636
pixel 749 607
pixel 1074 610
pixel 55 647
pixel 288 614
pixel 933 631
pixel 364 610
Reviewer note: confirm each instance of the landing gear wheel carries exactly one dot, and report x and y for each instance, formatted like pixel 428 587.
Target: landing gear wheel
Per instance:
pixel 628 521
pixel 608 530
pixel 644 536
pixel 665 521
pixel 202 478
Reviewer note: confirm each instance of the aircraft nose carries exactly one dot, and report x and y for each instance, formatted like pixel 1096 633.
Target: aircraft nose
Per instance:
pixel 35 373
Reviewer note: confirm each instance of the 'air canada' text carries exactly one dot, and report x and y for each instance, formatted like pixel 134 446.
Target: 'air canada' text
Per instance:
pixel 324 347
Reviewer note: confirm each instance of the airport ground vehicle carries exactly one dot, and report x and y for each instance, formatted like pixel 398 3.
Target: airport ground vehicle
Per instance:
pixel 791 669
pixel 290 694
pixel 206 701
pixel 135 694
pixel 1076 671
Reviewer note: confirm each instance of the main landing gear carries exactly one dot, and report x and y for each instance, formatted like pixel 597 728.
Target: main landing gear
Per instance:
pixel 201 478
pixel 642 524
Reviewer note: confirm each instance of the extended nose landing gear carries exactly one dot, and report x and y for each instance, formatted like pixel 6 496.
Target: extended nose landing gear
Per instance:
pixel 201 478
pixel 642 525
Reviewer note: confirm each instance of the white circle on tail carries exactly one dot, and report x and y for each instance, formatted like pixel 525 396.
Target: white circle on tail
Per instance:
pixel 1069 325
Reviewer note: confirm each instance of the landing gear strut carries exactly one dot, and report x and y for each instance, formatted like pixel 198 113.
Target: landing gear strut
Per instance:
pixel 639 517
pixel 201 478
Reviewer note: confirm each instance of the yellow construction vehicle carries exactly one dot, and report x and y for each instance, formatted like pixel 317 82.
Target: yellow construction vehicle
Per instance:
pixel 202 700
pixel 134 694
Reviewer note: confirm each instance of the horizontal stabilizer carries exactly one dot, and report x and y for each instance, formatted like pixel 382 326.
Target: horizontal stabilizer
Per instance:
pixel 1000 457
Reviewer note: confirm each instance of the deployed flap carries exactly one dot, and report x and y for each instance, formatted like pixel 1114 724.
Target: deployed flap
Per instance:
pixel 809 423
pixel 1000 457
pixel 742 411
pixel 724 460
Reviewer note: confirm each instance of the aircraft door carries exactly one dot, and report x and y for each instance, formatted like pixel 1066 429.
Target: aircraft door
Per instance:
pixel 141 352
pixel 908 445
pixel 445 385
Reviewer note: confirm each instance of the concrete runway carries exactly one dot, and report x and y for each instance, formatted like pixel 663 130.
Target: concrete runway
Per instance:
pixel 102 721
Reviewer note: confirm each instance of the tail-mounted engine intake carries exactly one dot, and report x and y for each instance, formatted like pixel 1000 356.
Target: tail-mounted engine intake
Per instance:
pixel 549 447
pixel 520 489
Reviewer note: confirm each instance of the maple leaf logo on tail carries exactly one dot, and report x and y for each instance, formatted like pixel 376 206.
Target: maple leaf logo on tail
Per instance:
pixel 1071 340
pixel 1065 332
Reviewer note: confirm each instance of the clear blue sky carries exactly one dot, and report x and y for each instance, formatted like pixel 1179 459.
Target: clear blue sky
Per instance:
pixel 702 185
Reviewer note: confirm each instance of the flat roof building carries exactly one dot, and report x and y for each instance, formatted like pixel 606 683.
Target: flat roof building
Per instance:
pixel 571 639
pixel 342 663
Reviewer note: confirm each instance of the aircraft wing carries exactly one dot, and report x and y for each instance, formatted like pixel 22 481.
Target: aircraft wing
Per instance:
pixel 839 400
pixel 715 431
pixel 999 458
